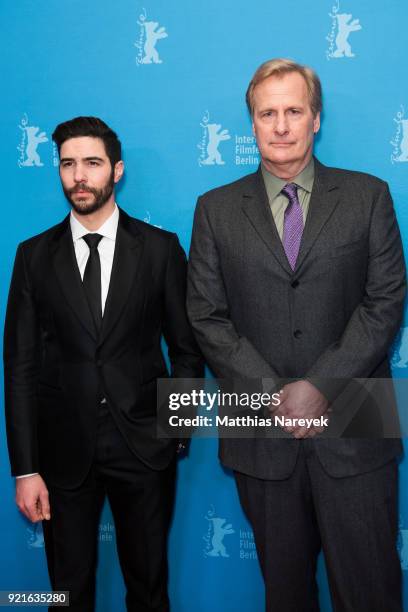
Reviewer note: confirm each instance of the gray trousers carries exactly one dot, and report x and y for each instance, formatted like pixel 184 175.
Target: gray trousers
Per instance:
pixel 354 520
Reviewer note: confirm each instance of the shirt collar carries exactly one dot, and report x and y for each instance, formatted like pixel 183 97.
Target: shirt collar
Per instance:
pixel 107 229
pixel 274 184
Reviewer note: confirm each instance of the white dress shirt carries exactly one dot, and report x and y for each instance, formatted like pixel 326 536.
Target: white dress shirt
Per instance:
pixel 106 249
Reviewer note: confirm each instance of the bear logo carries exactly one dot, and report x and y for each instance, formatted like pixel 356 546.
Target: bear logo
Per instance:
pixel 220 530
pixel 152 36
pixel 345 27
pixel 215 136
pixel 403 156
pixel 33 140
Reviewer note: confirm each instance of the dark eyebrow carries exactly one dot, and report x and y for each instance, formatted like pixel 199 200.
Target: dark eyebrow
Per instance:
pixel 91 158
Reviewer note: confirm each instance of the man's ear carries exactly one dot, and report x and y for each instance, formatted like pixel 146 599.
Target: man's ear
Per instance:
pixel 316 123
pixel 118 171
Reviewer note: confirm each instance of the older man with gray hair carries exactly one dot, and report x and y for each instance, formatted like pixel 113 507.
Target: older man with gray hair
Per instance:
pixel 297 275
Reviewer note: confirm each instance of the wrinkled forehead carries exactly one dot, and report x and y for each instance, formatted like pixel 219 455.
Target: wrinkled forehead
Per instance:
pixel 290 89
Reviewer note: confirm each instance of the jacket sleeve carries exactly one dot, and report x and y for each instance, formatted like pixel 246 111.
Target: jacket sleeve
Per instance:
pixel 21 369
pixel 230 355
pixel 185 357
pixel 374 323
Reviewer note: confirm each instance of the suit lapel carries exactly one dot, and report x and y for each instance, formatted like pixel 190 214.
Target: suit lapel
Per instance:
pixel 323 200
pixel 256 207
pixel 126 261
pixel 66 268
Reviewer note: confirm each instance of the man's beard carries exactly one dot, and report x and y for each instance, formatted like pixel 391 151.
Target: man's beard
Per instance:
pixel 101 197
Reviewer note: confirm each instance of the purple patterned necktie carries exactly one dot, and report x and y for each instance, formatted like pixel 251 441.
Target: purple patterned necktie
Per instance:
pixel 292 225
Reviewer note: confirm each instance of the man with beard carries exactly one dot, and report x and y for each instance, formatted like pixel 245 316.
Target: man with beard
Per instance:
pixel 89 301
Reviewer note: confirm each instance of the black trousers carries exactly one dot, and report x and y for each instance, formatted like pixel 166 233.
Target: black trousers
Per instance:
pixel 141 501
pixel 354 520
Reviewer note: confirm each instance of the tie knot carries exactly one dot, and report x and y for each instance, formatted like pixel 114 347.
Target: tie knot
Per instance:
pixel 92 240
pixel 290 191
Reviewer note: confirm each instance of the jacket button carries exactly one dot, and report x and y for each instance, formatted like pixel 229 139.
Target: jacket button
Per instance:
pixel 294 284
pixel 297 333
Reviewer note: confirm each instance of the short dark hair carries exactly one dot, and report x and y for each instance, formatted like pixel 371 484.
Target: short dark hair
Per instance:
pixel 89 126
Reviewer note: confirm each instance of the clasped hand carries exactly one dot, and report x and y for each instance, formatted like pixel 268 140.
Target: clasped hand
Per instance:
pixel 301 400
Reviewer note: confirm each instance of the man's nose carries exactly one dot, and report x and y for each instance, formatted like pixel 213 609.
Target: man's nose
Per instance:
pixel 79 174
pixel 281 124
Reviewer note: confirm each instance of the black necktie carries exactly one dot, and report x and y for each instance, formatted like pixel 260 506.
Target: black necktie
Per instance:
pixel 92 278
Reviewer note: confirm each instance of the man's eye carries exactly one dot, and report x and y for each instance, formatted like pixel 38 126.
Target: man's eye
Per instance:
pixel 66 164
pixel 294 111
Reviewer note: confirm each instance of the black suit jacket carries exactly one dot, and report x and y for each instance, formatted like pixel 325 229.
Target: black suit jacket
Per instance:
pixel 57 367
pixel 334 317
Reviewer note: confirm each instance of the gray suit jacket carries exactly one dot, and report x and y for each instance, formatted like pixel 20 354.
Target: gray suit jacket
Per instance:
pixel 334 317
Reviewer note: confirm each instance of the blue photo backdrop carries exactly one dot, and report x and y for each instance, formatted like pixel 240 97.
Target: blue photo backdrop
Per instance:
pixel 170 78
